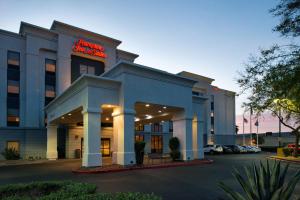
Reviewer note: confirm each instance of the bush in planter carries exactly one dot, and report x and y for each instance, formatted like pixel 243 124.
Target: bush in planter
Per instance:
pixel 287 151
pixel 139 152
pixel 11 154
pixel 174 146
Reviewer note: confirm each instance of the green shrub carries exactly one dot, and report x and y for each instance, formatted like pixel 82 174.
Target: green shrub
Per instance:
pixel 45 190
pixel 263 182
pixel 11 154
pixel 139 152
pixel 287 151
pixel 174 146
pixel 65 190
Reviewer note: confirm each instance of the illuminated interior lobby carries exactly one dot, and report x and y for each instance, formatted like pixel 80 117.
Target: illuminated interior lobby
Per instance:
pixel 79 96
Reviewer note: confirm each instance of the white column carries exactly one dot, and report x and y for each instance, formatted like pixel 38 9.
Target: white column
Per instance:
pixel 51 142
pixel 92 135
pixel 182 129
pixel 123 137
pixel 198 128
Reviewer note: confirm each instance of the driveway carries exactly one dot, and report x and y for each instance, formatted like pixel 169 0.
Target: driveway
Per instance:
pixel 193 182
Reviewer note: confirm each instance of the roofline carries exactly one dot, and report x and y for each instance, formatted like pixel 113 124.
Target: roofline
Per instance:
pixel 33 26
pixel 120 63
pixel 193 74
pixel 127 52
pixel 84 30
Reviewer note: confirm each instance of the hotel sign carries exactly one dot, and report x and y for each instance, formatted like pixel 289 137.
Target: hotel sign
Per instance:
pixel 89 48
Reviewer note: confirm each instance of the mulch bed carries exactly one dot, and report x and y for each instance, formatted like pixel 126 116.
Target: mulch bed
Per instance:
pixel 120 168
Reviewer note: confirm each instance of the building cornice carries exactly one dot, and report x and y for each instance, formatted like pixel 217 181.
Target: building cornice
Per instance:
pixel 70 30
pixel 124 67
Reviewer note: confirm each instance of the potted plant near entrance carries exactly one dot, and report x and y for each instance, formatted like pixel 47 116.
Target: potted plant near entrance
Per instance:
pixel 174 146
pixel 139 152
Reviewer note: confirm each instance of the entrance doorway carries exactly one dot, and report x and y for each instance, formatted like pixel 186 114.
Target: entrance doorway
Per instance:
pixel 156 144
pixel 105 147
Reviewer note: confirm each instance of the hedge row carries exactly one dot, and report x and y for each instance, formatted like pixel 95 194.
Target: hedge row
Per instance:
pixel 65 190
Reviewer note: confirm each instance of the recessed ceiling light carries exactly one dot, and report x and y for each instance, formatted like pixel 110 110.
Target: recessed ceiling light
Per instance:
pixel 107 118
pixel 147 105
pixel 69 114
pixel 159 111
pixel 148 116
pixel 162 121
pixel 137 119
pixel 62 117
pixel 164 107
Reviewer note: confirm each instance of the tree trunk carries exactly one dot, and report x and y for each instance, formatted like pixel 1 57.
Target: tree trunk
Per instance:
pixel 297 134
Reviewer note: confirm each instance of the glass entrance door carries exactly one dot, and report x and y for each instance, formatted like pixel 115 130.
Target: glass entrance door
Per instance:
pixel 105 147
pixel 156 144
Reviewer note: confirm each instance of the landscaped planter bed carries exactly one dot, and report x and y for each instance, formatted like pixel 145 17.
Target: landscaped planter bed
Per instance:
pixel 65 190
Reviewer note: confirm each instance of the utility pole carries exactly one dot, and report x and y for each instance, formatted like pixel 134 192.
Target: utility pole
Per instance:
pixel 251 125
pixel 244 128
pixel 279 132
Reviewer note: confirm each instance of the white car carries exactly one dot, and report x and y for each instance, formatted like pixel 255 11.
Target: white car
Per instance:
pixel 214 148
pixel 255 149
pixel 242 149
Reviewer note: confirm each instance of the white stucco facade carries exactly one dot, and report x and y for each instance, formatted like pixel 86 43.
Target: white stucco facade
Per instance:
pixel 103 110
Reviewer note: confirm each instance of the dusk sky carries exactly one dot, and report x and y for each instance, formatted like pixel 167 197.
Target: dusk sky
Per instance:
pixel 212 38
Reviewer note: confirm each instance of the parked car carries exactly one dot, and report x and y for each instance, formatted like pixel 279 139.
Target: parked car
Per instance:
pixel 249 149
pixel 226 149
pixel 233 148
pixel 256 149
pixel 212 149
pixel 241 149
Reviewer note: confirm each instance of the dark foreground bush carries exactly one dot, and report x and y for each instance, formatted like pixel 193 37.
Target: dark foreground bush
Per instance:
pixel 11 154
pixel 64 190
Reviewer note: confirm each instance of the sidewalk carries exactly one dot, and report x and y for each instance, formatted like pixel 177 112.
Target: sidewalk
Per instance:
pixel 21 162
pixel 119 168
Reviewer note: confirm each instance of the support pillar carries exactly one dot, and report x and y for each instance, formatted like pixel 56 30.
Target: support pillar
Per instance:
pixel 182 129
pixel 51 142
pixel 123 137
pixel 92 135
pixel 198 128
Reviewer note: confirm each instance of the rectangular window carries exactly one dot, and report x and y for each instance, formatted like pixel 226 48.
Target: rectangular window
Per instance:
pixel 50 66
pixel 157 128
pixel 139 127
pixel 85 69
pixel 156 144
pixel 13 145
pixel 139 138
pixel 50 80
pixel 13 58
pixel 13 88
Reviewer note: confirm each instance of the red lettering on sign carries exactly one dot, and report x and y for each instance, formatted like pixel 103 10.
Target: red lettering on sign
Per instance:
pixel 89 48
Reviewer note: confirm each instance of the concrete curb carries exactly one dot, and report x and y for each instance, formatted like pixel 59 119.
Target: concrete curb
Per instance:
pixel 131 168
pixel 284 159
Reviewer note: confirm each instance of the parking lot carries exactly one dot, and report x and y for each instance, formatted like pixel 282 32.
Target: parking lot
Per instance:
pixel 194 182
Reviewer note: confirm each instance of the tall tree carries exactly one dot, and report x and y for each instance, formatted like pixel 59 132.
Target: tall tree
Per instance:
pixel 272 78
pixel 289 13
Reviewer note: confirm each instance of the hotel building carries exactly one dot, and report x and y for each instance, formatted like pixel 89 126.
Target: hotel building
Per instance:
pixel 66 92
